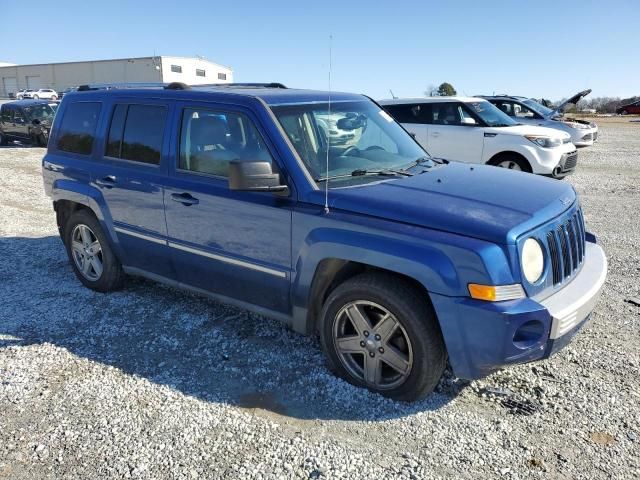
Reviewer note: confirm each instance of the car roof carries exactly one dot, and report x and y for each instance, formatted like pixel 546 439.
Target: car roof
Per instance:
pixel 272 96
pixel 503 97
pixel 402 101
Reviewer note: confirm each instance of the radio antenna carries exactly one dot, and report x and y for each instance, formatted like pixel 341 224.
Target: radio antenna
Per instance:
pixel 326 176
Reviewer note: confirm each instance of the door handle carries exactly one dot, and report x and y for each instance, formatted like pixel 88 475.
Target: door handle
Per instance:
pixel 184 198
pixel 109 181
pixel 435 134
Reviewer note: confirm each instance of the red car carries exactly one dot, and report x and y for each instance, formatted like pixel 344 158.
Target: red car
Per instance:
pixel 629 109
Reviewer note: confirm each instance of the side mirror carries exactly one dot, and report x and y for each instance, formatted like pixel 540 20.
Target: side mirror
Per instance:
pixel 254 177
pixel 469 121
pixel 35 122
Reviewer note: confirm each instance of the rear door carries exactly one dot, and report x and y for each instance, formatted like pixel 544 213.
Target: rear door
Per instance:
pixel 235 244
pixel 130 172
pixel 455 133
pixel 414 118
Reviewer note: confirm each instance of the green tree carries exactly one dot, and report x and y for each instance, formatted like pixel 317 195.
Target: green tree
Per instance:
pixel 446 90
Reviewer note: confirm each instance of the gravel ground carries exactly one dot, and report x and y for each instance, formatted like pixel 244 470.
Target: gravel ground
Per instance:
pixel 150 382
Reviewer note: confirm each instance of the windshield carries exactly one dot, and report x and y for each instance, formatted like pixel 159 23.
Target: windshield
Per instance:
pixel 362 138
pixel 42 111
pixel 537 107
pixel 491 115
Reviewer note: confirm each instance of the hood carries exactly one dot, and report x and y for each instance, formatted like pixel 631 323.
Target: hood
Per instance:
pixel 570 101
pixel 527 129
pixel 479 201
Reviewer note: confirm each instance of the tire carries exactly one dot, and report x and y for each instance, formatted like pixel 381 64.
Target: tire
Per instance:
pixel 624 112
pixel 416 343
pixel 3 140
pixel 111 276
pixel 36 97
pixel 511 161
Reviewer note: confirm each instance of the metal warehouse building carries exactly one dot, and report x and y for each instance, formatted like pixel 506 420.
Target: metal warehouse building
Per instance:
pixel 59 76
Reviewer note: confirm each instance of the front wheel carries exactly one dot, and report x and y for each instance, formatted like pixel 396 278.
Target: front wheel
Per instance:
pixel 92 259
pixel 379 332
pixel 511 162
pixel 36 97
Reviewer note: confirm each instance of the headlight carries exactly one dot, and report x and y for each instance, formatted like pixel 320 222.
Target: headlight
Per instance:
pixel 543 141
pixel 532 260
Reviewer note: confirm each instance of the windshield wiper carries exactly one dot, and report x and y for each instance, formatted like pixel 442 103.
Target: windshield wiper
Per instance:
pixel 385 172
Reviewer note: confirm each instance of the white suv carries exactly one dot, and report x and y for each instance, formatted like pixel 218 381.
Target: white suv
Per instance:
pixel 43 93
pixel 475 131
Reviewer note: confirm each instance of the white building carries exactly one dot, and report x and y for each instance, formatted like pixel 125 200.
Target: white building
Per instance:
pixel 189 70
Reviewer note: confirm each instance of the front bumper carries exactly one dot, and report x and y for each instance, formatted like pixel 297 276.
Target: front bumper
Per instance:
pixel 482 337
pixel 566 166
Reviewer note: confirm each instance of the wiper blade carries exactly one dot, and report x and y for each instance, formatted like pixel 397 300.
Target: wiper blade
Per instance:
pixel 385 172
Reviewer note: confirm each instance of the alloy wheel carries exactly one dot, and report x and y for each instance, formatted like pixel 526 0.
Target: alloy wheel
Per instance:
pixel 372 345
pixel 87 252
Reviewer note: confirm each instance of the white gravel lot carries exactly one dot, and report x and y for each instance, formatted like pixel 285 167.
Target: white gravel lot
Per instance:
pixel 154 383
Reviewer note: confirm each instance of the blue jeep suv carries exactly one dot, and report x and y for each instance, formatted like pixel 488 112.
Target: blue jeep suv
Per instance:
pixel 399 262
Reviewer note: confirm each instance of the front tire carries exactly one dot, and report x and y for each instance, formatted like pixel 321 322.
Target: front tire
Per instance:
pixel 380 332
pixel 90 254
pixel 36 97
pixel 511 162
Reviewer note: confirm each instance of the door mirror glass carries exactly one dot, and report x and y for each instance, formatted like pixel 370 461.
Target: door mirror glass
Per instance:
pixel 468 121
pixel 254 177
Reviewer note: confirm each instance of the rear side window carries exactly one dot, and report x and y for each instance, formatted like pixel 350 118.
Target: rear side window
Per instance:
pixel 5 114
pixel 78 127
pixel 136 133
pixel 410 113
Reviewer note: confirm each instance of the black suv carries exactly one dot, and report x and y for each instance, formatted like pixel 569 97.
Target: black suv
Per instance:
pixel 27 121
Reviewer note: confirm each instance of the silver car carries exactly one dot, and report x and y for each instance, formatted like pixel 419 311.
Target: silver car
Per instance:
pixel 527 110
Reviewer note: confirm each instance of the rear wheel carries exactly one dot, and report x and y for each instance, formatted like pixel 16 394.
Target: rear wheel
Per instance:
pixel 511 162
pixel 92 259
pixel 379 332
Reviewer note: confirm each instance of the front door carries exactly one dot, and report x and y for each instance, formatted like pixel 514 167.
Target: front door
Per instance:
pixel 455 134
pixel 234 244
pixel 130 174
pixel 20 127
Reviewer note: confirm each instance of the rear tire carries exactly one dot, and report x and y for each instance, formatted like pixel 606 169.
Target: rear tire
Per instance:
pixel 90 253
pixel 511 161
pixel 394 347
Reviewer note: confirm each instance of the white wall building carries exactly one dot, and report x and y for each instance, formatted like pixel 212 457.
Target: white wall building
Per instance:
pixel 189 70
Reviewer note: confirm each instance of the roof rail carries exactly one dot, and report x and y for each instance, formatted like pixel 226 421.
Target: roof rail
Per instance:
pixel 174 86
pixel 115 86
pixel 245 85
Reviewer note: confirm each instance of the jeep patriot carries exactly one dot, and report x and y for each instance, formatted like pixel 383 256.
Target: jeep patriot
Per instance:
pixel 399 262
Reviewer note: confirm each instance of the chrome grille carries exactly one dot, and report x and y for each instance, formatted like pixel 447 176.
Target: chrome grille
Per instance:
pixel 566 245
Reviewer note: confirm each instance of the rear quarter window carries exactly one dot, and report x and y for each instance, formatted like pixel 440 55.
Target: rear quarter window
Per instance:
pixel 136 133
pixel 78 127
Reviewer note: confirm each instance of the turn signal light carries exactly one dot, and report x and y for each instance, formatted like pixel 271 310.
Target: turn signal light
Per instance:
pixel 496 293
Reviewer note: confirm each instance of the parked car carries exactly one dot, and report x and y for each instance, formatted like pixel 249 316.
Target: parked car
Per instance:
pixel 21 93
pixel 527 110
pixel 41 93
pixel 472 130
pixel 26 121
pixel 631 108
pixel 398 261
